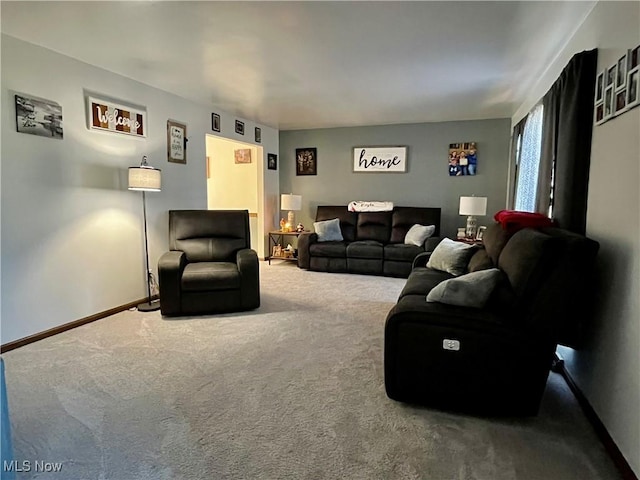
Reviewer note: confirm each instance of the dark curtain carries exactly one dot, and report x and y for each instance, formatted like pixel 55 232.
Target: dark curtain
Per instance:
pixel 566 147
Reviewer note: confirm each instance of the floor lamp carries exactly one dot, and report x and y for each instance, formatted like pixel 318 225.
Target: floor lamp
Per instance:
pixel 145 178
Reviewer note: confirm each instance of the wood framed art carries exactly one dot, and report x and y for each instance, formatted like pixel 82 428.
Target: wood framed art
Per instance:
pixel 242 155
pixel 600 87
pixel 621 72
pixel 37 116
pixel 176 142
pixel 114 117
pixel 633 85
pixel 620 102
pixel 307 161
pixel 239 127
pixel 272 161
pixel 258 135
pixel 215 122
pixel 380 159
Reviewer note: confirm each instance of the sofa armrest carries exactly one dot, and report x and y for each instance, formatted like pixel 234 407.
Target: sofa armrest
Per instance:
pixel 421 260
pixel 249 269
pixel 305 240
pixel 431 243
pixel 170 268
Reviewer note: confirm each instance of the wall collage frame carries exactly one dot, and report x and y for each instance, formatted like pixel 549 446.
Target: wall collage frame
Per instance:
pixel 618 87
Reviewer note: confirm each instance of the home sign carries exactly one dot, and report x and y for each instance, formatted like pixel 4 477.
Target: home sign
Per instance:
pixel 380 159
pixel 112 117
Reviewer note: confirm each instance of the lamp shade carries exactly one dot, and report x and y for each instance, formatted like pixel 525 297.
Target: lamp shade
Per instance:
pixel 145 178
pixel 289 201
pixel 473 206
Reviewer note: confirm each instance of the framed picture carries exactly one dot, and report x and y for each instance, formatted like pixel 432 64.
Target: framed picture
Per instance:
pixel 463 159
pixel 239 127
pixel 176 142
pixel 611 76
pixel 634 57
pixel 215 122
pixel 258 135
pixel 600 87
pixel 306 161
pixel 620 102
pixel 621 72
pixel 108 116
pixel 380 159
pixel 632 87
pixel 37 116
pixel 480 232
pixel 608 102
pixel 242 155
pixel 272 161
pixel 599 114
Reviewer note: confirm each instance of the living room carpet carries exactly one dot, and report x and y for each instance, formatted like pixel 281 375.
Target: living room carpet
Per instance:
pixel 293 390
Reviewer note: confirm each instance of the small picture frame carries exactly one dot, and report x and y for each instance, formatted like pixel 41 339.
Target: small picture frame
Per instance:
pixel 620 102
pixel 633 84
pixel 600 87
pixel 599 116
pixel 272 161
pixel 480 233
pixel 608 102
pixel 215 122
pixel 306 161
pixel 258 135
pixel 239 127
pixel 242 155
pixel 176 142
pixel 621 72
pixel 611 76
pixel 634 57
pixel 276 251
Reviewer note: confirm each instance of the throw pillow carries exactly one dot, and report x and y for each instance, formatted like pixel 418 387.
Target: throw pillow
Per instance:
pixel 418 234
pixel 470 290
pixel 328 230
pixel 452 257
pixel 480 261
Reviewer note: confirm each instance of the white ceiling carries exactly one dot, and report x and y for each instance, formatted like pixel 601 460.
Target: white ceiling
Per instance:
pixel 298 65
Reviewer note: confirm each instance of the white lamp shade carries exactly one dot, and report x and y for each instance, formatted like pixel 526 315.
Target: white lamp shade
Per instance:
pixel 289 201
pixel 146 179
pixel 473 206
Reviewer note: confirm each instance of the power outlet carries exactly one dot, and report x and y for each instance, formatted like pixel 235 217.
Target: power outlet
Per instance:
pixel 448 344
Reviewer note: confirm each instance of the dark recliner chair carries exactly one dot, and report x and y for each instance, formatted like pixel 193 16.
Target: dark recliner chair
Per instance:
pixel 211 267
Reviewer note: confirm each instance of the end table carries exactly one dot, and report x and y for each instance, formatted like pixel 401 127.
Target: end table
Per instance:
pixel 276 237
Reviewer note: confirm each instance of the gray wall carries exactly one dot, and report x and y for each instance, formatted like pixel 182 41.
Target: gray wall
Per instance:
pixel 427 182
pixel 607 368
pixel 72 241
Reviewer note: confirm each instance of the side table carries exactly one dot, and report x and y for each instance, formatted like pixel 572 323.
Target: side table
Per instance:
pixel 276 237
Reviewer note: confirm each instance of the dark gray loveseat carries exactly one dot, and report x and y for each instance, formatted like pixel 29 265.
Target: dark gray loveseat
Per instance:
pixel 373 241
pixel 505 349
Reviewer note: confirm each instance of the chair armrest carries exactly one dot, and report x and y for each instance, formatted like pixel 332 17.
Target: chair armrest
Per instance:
pixel 305 240
pixel 170 267
pixel 247 261
pixel 431 243
pixel 421 260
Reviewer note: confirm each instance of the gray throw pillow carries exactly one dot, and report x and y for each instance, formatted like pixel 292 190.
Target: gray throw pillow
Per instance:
pixel 470 290
pixel 328 230
pixel 450 256
pixel 418 234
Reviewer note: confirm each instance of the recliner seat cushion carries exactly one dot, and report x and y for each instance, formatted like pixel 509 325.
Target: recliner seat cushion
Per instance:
pixel 401 252
pixel 204 276
pixel 328 249
pixel 365 249
pixel 422 280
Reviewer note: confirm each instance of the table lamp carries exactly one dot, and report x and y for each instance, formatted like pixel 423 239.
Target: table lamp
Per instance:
pixel 472 206
pixel 291 202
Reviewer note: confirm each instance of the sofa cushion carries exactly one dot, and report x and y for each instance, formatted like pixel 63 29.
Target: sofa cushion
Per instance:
pixel 417 234
pixel 403 218
pixel 374 226
pixel 470 290
pixel 328 230
pixel 365 249
pixel 347 219
pixel 401 252
pixel 452 257
pixel 494 239
pixel 328 249
pixel 422 280
pixel 206 276
pixel 480 261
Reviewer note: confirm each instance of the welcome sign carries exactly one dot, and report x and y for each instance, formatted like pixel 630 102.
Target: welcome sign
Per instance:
pixel 113 117
pixel 380 159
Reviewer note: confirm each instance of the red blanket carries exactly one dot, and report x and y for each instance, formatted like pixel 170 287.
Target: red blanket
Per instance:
pixel 512 221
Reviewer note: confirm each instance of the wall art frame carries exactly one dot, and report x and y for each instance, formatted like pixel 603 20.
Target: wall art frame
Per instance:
pixel 380 159
pixel 116 117
pixel 176 142
pixel 239 127
pixel 272 161
pixel 307 161
pixel 215 122
pixel 38 116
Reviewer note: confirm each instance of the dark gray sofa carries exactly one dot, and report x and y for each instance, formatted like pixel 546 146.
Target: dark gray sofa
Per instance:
pixel 373 241
pixel 507 347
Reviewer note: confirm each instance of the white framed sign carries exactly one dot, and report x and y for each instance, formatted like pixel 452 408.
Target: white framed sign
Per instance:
pixel 112 117
pixel 380 159
pixel 176 142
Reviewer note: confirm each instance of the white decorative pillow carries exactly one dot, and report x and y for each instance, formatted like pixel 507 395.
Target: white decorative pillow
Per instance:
pixel 328 230
pixel 470 290
pixel 452 257
pixel 418 234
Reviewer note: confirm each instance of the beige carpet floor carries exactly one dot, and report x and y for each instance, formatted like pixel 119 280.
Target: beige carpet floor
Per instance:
pixel 293 390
